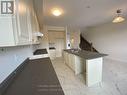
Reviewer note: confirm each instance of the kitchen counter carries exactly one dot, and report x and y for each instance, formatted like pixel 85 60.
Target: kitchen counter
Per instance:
pixel 40 51
pixel 85 54
pixel 37 78
pixel 89 63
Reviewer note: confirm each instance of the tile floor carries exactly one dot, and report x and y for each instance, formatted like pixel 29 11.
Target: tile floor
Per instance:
pixel 114 79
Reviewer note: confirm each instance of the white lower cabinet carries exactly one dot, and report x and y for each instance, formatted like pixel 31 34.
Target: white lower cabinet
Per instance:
pixel 74 62
pixel 17 29
pixel 94 71
pixel 52 53
pixel 69 60
pixel 79 65
pixel 91 68
pixel 66 59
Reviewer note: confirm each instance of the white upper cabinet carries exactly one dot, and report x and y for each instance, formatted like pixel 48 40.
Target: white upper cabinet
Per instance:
pixel 6 31
pixel 22 21
pixel 19 28
pixel 35 27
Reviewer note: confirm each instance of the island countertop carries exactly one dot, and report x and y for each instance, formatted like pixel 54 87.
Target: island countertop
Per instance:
pixel 85 54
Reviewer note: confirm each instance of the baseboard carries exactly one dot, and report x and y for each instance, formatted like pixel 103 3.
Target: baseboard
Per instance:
pixel 4 85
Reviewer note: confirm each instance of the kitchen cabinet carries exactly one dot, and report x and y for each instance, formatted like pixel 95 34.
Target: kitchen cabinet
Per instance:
pixel 87 63
pixel 52 53
pixel 7 31
pixel 65 56
pixel 22 14
pixel 74 62
pixel 19 28
pixel 34 26
pixel 93 71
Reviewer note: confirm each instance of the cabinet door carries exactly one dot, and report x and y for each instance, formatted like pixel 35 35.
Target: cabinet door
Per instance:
pixel 22 21
pixel 79 65
pixel 94 71
pixel 36 28
pixel 34 25
pixel 6 31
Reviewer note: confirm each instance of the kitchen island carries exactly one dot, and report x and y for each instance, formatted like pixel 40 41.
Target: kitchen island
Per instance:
pixel 89 63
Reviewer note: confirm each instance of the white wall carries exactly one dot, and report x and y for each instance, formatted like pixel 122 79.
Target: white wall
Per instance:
pixel 67 38
pixel 12 57
pixel 73 37
pixel 53 35
pixel 109 38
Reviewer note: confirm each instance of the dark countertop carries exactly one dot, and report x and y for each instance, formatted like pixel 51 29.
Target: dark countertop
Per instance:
pixel 85 54
pixel 40 51
pixel 37 78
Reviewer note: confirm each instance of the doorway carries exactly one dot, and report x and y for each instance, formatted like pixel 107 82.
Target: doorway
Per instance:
pixel 57 42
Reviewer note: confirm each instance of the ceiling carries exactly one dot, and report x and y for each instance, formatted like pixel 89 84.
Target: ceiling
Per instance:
pixel 79 13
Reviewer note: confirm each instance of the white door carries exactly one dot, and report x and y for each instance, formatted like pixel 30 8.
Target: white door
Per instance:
pixel 59 46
